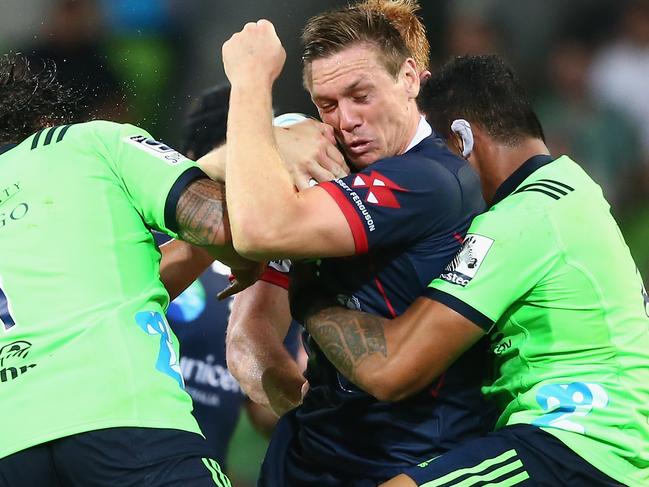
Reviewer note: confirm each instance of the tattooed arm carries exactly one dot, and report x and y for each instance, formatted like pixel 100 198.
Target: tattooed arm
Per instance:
pixel 201 214
pixel 392 359
pixel 203 225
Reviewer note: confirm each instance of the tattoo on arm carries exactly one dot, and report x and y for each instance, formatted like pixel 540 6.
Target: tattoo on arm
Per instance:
pixel 199 213
pixel 347 337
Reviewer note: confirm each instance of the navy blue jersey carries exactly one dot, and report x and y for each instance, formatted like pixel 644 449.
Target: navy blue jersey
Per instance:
pixel 408 215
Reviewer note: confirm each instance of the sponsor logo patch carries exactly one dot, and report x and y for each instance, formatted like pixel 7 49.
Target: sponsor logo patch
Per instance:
pixel 468 260
pixel 158 149
pixel 380 189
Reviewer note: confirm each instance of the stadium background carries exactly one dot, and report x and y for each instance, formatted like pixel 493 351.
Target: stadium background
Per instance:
pixel 585 62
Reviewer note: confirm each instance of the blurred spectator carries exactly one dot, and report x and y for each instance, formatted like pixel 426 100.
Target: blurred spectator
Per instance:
pixel 621 69
pixel 602 138
pixel 619 76
pixel 470 29
pixel 146 48
pixel 72 38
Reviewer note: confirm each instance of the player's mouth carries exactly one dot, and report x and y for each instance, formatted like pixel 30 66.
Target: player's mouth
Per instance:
pixel 358 147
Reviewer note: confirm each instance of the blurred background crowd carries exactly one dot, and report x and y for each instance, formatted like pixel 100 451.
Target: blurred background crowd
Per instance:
pixel 585 62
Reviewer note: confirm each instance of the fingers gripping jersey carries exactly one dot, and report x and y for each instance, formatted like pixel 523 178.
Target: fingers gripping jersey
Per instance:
pixel 83 339
pixel 546 267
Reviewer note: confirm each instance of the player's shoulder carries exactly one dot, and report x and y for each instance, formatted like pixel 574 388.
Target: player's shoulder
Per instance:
pixel 548 188
pixel 109 127
pixel 430 164
pixel 94 131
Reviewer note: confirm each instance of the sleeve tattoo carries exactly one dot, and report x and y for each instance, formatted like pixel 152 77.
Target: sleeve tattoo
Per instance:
pixel 199 213
pixel 347 337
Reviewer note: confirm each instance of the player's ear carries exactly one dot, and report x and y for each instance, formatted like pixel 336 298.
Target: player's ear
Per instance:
pixel 411 77
pixel 461 129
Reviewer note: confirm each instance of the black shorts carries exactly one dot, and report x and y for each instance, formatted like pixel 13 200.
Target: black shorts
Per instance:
pixel 116 457
pixel 287 465
pixel 519 455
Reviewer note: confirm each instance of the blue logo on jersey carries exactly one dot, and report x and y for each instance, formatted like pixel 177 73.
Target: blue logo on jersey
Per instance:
pixel 189 305
pixel 154 323
pixel 567 402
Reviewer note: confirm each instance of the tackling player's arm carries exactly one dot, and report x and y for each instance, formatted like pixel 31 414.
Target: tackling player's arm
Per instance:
pixel 255 351
pixel 308 150
pixel 392 359
pixel 202 220
pixel 282 222
pixel 180 264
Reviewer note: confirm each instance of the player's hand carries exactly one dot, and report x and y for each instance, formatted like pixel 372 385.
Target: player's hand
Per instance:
pixel 309 151
pixel 253 55
pixel 243 277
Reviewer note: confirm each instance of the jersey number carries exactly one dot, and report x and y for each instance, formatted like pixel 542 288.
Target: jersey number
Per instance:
pixel 568 401
pixel 5 314
pixel 153 323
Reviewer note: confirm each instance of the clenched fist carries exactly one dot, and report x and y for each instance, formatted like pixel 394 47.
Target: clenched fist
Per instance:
pixel 253 55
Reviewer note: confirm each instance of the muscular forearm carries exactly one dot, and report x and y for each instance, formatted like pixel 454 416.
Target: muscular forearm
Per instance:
pixel 256 355
pixel 255 173
pixel 354 342
pixel 393 359
pixel 266 372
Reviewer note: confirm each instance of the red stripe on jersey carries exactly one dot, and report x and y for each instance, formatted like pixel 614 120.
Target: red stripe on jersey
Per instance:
pixel 273 276
pixel 385 297
pixel 458 237
pixel 353 220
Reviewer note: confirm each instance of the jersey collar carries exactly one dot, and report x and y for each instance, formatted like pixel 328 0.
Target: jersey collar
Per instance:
pixel 520 175
pixel 6 147
pixel 423 131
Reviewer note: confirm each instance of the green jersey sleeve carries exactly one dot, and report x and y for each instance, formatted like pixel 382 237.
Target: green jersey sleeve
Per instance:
pixel 499 262
pixel 153 174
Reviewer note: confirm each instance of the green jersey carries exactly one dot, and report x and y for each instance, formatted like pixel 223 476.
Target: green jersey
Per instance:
pixel 547 271
pixel 84 343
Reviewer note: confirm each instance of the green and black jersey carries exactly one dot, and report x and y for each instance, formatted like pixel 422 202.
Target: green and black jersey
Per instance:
pixel 547 271
pixel 84 343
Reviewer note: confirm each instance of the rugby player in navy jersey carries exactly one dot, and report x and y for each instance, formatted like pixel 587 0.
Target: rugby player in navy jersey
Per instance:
pixel 380 232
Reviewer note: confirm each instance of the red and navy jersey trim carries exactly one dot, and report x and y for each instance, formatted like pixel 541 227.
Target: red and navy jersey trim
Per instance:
pixel 273 276
pixel 353 219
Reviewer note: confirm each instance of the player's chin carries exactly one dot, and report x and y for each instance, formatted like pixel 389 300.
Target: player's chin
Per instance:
pixel 361 161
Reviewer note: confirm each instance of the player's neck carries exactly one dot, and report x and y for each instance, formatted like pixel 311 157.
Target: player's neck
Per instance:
pixel 504 160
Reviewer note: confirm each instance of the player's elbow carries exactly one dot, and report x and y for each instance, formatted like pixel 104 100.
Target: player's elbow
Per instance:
pixel 258 241
pixel 250 240
pixel 390 385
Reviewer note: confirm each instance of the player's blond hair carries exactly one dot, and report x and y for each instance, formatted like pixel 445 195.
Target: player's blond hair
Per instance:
pixel 403 15
pixel 392 26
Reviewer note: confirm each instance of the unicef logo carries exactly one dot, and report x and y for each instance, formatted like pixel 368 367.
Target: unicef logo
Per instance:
pixel 189 305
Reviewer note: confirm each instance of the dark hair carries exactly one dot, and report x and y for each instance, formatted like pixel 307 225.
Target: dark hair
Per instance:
pixel 483 90
pixel 31 99
pixel 206 123
pixel 333 31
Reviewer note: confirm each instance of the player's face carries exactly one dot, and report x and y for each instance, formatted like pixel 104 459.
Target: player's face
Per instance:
pixel 372 113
